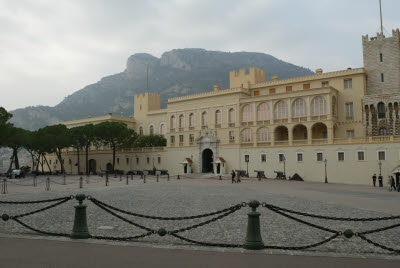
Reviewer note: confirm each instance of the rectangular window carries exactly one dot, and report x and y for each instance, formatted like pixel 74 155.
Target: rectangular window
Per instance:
pixel 69 161
pixel 299 157
pixel 148 160
pixel 117 160
pixel 63 161
pixel 172 139
pixel 348 83
pixel 191 138
pixel 246 158
pixel 349 110
pixel 320 156
pixel 350 133
pixel 381 57
pixel 181 138
pixel 127 161
pixel 272 91
pixel 325 84
pixel 137 160
pixel 159 159
pixel 232 135
pixel 381 155
pixel 50 161
pixel 382 78
pixel 340 156
pixel 281 157
pixel 263 157
pixel 361 155
pixel 56 162
pixel 256 92
pixel 306 86
pixel 289 89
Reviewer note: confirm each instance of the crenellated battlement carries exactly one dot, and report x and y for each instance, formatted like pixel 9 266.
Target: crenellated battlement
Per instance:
pixel 244 79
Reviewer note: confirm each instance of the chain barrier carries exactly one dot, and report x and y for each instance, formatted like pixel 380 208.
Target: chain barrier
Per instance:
pixel 116 238
pixel 37 201
pixel 330 217
pixel 80 182
pixel 336 233
pixel 40 231
pixel 164 218
pixel 304 247
pixel 207 244
pixel 122 218
pixel 66 199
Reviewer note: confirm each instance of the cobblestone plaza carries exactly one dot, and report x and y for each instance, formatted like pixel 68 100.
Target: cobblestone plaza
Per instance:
pixel 201 194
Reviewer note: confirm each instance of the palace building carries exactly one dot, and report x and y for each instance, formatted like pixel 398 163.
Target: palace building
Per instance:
pixel 350 118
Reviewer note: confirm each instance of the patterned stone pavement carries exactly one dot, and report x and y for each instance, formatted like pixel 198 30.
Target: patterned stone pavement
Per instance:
pixel 201 194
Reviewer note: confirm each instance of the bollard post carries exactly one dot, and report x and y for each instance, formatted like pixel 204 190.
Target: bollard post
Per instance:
pixel 34 181
pixel 127 180
pixel 107 175
pixel 157 177
pixel 253 237
pixel 107 181
pixel 168 177
pixel 178 178
pixel 48 184
pixel 4 187
pixel 120 177
pixel 131 177
pixel 80 182
pixel 80 229
pixel 220 178
pixel 127 176
pixel 144 178
pixel 64 180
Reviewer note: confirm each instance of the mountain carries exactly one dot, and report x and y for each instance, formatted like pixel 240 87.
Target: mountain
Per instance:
pixel 178 72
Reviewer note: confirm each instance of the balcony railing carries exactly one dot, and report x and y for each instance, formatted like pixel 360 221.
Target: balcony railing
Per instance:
pixel 282 143
pixel 191 128
pixel 181 129
pixel 263 122
pixel 280 121
pixel 231 124
pixel 247 123
pixel 299 142
pixel 218 126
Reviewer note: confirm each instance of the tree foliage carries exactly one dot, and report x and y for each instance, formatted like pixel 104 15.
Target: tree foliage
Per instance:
pixel 151 141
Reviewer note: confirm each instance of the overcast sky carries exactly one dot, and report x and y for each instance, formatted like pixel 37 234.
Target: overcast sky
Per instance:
pixel 50 49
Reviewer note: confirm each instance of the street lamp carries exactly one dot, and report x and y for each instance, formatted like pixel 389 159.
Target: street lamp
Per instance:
pixel 284 166
pixel 380 168
pixel 326 174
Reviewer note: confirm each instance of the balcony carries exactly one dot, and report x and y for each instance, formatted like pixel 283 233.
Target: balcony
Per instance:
pixel 247 123
pixel 218 126
pixel 300 142
pixel 299 119
pixel 319 141
pixel 181 144
pixel 280 121
pixel 172 130
pixel 282 143
pixel 263 122
pixel 231 140
pixel 181 129
pixel 191 128
pixel 231 124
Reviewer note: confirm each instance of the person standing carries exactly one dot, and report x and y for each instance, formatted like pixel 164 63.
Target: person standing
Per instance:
pixel 380 179
pixel 392 183
pixel 238 176
pixel 374 180
pixel 233 176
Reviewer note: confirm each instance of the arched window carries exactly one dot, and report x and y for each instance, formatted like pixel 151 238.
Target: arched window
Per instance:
pixel 318 106
pixel 246 135
pixel 151 130
pixel 232 116
pixel 281 110
pixel 162 130
pixel 262 134
pixel 173 122
pixel 381 110
pixel 181 121
pixel 191 120
pixel 247 113
pixel 299 108
pixel 382 131
pixel 218 117
pixel 263 112
pixel 141 131
pixel 204 119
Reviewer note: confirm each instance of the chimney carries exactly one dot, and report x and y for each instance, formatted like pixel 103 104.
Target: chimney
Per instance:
pixel 319 71
pixel 275 77
pixel 216 88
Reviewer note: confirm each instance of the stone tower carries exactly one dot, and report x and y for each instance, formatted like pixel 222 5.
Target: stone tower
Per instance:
pixel 144 103
pixel 382 99
pixel 382 62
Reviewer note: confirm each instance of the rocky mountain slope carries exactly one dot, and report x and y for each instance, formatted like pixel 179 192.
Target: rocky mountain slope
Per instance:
pixel 178 72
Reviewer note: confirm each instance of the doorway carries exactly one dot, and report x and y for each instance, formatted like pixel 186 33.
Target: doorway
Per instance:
pixel 92 166
pixel 207 161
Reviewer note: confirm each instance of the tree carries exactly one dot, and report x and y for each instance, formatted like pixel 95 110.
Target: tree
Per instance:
pixel 4 126
pixel 4 115
pixel 15 139
pixel 151 141
pixel 82 138
pixel 56 137
pixel 116 135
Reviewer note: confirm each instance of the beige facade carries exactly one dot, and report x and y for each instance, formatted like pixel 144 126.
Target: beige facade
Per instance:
pixel 305 119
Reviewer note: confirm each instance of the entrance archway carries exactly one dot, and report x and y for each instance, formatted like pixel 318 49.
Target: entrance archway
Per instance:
pixel 92 166
pixel 207 160
pixel 109 166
